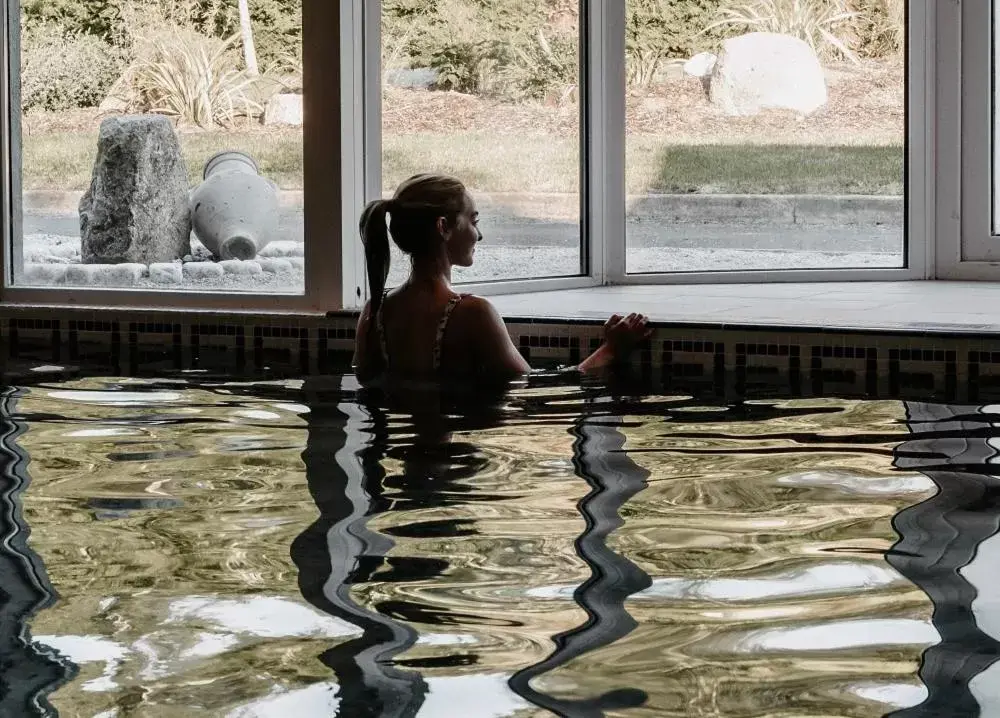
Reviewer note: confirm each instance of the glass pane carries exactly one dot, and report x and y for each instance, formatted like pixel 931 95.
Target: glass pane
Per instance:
pixel 489 92
pixel 112 160
pixel 750 151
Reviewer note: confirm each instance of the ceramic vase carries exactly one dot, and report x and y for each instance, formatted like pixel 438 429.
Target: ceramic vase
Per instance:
pixel 234 211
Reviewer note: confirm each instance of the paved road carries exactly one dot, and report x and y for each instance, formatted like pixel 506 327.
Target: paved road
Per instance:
pixel 642 234
pixel 517 248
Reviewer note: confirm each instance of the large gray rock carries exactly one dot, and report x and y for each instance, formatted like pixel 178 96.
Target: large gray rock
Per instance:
pixel 765 70
pixel 136 209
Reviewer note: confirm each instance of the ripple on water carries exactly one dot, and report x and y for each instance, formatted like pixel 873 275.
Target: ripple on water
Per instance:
pixel 266 540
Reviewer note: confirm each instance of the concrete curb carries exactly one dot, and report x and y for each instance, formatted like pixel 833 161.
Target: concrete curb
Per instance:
pixel 806 210
pixel 67 203
pixel 816 210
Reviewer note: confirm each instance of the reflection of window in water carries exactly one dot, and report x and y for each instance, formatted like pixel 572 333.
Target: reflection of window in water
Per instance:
pixel 343 452
pixel 30 672
pixel 614 478
pixel 347 451
pixel 949 547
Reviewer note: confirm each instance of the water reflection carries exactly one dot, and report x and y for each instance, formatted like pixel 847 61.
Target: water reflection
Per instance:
pixel 472 558
pixel 945 547
pixel 343 455
pixel 347 451
pixel 599 458
pixel 28 672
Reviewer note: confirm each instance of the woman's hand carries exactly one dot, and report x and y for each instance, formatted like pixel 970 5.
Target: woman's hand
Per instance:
pixel 623 334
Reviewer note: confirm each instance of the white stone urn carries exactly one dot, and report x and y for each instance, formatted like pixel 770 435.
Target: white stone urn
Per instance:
pixel 234 211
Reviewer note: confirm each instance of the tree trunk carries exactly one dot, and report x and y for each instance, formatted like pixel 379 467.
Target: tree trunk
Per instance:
pixel 246 30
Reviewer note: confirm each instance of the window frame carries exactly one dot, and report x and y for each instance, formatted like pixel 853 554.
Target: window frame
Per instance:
pixel 919 183
pixel 342 167
pixel 322 184
pixel 604 220
pixel 968 246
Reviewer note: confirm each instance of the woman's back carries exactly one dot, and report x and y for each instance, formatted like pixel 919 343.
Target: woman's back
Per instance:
pixel 425 330
pixel 420 333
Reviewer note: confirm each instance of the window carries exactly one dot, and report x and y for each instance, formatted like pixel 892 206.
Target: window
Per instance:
pixel 605 142
pixel 977 252
pixel 490 92
pixel 175 165
pixel 685 176
pixel 118 163
pixel 748 151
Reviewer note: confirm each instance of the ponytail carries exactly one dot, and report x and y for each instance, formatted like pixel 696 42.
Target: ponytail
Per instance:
pixel 375 236
pixel 415 208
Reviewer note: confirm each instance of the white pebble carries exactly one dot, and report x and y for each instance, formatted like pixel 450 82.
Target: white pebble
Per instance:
pixel 105 275
pixel 51 250
pixel 45 274
pixel 239 267
pixel 275 266
pixel 166 273
pixel 283 249
pixel 203 270
pixel 298 263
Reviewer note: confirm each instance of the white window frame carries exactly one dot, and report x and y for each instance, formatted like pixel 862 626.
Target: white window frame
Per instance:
pixel 603 226
pixel 323 181
pixel 920 182
pixel 968 244
pixel 365 46
pixel 342 77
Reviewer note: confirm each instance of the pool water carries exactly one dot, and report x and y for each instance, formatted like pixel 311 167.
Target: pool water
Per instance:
pixel 199 547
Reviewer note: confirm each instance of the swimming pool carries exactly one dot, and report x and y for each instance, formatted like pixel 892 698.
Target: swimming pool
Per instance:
pixel 189 546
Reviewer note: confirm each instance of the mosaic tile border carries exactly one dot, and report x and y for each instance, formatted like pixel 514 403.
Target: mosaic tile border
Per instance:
pixel 796 360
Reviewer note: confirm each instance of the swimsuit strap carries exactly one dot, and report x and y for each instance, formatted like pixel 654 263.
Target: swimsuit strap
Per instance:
pixel 380 329
pixel 442 327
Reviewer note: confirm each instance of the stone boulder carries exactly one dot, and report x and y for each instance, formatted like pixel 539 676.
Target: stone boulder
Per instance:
pixel 764 71
pixel 284 110
pixel 701 65
pixel 136 209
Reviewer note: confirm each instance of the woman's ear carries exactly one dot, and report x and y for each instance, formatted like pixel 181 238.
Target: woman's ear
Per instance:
pixel 443 227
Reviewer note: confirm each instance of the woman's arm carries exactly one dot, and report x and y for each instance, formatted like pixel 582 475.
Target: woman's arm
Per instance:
pixel 367 359
pixel 497 355
pixel 494 350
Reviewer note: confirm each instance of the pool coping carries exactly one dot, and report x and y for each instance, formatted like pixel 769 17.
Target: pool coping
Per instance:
pixel 956 365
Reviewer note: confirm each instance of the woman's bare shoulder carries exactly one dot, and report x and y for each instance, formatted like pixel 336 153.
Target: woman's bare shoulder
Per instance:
pixel 475 305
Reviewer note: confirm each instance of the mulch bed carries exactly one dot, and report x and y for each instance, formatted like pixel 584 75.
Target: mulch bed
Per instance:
pixel 866 107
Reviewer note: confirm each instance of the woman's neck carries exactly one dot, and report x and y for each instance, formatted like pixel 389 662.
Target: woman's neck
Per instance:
pixel 431 272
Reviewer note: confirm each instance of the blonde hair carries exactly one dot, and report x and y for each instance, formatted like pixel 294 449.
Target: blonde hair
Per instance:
pixel 412 215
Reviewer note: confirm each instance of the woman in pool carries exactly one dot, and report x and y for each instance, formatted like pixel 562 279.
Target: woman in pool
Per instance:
pixel 424 328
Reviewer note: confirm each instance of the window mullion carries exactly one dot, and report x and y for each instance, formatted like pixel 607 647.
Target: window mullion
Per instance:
pixel 922 113
pixel 356 76
pixel 604 99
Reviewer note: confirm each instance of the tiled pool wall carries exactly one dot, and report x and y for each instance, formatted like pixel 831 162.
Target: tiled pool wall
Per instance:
pixel 789 360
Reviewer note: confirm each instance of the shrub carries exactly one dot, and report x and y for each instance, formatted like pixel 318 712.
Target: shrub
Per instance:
pixel 61 71
pixel 660 30
pixel 511 49
pixel 824 24
pixel 518 49
pixel 93 17
pixel 880 27
pixel 192 77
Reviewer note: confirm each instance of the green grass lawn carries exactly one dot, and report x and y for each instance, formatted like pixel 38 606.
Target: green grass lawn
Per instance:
pixel 529 163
